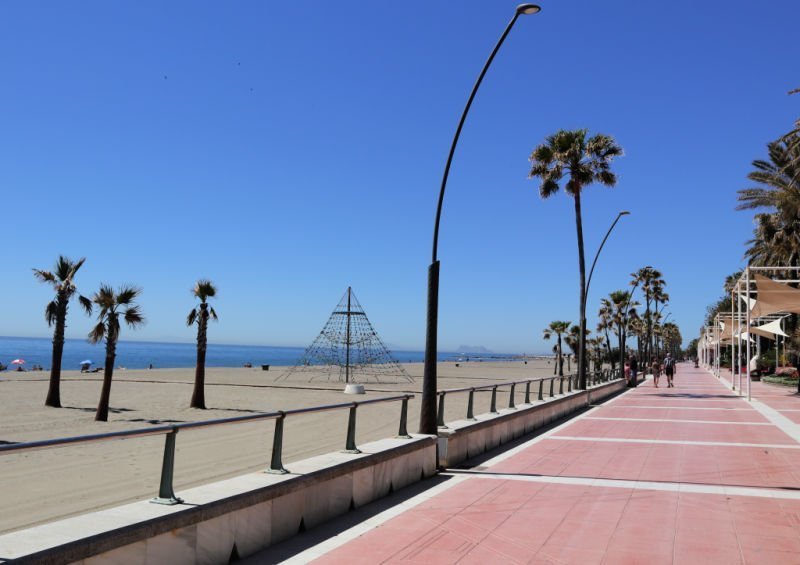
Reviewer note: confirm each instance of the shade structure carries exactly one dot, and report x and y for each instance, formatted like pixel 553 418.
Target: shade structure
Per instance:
pixel 770 330
pixel 18 362
pixel 774 297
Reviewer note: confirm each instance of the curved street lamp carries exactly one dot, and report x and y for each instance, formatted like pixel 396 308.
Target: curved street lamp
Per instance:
pixel 427 417
pixel 582 336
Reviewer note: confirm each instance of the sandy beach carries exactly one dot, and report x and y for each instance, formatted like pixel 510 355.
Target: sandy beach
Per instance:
pixel 44 485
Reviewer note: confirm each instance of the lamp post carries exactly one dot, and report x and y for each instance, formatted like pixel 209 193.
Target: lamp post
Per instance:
pixel 582 336
pixel 427 418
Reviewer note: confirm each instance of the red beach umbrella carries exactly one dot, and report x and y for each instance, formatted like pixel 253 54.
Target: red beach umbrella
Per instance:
pixel 18 362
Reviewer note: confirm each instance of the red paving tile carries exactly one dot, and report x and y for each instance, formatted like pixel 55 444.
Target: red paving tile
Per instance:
pixel 494 520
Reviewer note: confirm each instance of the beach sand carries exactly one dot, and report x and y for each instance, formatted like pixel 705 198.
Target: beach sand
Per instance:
pixel 43 485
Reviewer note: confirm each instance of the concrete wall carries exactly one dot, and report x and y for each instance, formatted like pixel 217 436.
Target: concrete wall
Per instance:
pixel 464 439
pixel 239 516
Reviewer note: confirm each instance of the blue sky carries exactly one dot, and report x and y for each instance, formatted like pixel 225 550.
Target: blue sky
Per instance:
pixel 287 150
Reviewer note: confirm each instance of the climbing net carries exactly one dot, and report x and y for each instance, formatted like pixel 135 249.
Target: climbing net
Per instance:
pixel 348 350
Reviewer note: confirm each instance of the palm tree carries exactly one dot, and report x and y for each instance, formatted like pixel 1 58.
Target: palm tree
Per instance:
pixel 778 180
pixel 651 282
pixel 573 340
pixel 62 280
pixel 203 290
pixel 774 242
pixel 606 324
pixel 112 305
pixel 585 161
pixel 558 328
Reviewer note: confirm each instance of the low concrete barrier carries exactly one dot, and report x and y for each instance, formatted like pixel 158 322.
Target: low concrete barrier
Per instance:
pixel 228 519
pixel 464 439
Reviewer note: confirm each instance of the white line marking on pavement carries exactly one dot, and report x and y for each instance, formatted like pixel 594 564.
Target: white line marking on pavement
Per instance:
pixel 636 485
pixel 682 407
pixel 680 421
pixel 678 442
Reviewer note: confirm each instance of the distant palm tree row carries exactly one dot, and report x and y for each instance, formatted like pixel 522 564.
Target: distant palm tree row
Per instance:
pixel 619 317
pixel 111 306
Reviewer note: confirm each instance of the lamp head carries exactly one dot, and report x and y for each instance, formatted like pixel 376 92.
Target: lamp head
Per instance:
pixel 624 213
pixel 528 9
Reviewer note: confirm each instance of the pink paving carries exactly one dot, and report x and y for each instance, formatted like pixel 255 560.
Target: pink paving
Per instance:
pixel 516 511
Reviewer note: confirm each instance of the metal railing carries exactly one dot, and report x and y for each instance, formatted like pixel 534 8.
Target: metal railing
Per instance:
pixel 166 493
pixel 593 378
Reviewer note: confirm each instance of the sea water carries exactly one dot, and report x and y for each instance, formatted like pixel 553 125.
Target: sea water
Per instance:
pixel 142 354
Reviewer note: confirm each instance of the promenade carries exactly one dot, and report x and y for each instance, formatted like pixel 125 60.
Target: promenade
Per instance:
pixel 690 474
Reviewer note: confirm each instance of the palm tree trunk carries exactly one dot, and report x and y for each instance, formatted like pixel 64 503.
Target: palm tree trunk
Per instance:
pixel 54 390
pixel 560 358
pixel 199 396
pixel 608 346
pixel 108 374
pixel 582 268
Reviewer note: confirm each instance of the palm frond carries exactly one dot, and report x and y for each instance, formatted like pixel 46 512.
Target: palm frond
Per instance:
pixel 192 317
pixel 127 294
pixel 104 297
pixel 134 316
pixel 98 333
pixel 213 314
pixel 44 276
pixel 51 312
pixel 86 304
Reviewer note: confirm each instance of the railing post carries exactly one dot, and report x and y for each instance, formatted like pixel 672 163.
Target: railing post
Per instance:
pixel 403 432
pixel 541 389
pixel 561 385
pixel 511 397
pixel 493 407
pixel 350 443
pixel 166 494
pixel 528 392
pixel 552 384
pixel 470 405
pixel 569 383
pixel 276 464
pixel 440 418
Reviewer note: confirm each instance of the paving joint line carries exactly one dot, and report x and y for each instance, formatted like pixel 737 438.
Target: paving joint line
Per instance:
pixel 701 488
pixel 680 421
pixel 678 442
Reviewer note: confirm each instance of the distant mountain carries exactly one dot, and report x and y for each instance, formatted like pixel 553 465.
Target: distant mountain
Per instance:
pixel 473 349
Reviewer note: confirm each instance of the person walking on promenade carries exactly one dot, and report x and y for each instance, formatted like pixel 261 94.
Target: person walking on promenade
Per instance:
pixel 634 365
pixel 669 369
pixel 655 368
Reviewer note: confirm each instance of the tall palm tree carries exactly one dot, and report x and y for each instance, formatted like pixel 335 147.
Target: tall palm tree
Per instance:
pixel 112 305
pixel 584 161
pixel 558 328
pixel 777 180
pixel 62 279
pixel 203 290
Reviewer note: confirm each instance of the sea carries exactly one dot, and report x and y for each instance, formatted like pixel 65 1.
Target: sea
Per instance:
pixel 143 354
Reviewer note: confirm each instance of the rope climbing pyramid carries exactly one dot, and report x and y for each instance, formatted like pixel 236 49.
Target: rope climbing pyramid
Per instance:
pixel 348 350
